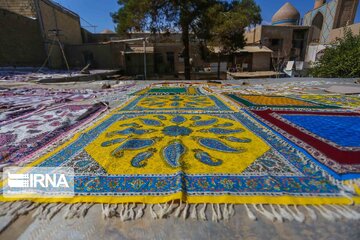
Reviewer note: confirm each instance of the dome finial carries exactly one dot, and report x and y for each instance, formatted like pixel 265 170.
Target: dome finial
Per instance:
pixel 319 3
pixel 287 15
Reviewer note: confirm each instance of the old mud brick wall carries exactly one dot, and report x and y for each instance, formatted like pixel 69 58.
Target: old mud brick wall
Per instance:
pixel 22 7
pixel 21 43
pixel 68 23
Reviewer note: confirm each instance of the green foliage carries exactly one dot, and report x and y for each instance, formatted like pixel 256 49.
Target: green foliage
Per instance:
pixel 340 60
pixel 228 28
pixel 142 15
pixel 221 22
pixel 158 15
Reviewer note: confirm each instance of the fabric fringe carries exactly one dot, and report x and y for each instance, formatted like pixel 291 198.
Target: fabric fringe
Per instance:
pixel 264 212
pixel 152 212
pixel 76 210
pixel 277 215
pixel 185 211
pixel 311 213
pixel 226 213
pixel 214 216
pixel 178 209
pixel 194 213
pixel 10 211
pixel 250 214
pixel 202 214
pixel 140 212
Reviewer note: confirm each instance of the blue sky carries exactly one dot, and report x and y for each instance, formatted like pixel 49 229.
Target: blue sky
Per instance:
pixel 97 12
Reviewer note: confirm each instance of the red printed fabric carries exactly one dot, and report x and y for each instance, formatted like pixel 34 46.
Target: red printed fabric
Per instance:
pixel 340 159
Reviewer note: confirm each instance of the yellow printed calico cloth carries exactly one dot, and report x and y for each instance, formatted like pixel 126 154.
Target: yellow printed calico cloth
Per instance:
pixel 277 101
pixel 171 152
pixel 169 91
pixel 161 144
pixel 274 101
pixel 337 100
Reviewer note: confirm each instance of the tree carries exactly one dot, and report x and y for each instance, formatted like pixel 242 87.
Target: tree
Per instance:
pixel 160 15
pixel 144 15
pixel 342 59
pixel 196 17
pixel 228 29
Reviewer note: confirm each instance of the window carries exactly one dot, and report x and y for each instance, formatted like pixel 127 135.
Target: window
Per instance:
pixel 170 57
pixel 275 42
pixel 159 58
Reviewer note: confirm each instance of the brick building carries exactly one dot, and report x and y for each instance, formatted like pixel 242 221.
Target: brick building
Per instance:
pixel 294 39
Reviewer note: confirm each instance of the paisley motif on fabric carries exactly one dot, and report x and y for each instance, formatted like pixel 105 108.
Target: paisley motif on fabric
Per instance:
pixel 173 153
pixel 177 102
pixel 172 143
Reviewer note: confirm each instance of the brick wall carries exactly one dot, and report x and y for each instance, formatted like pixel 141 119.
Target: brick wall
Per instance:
pixel 101 55
pixel 261 62
pixel 21 43
pixel 56 17
pixel 21 7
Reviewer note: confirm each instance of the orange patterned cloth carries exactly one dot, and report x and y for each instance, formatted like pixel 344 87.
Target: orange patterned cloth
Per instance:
pixel 274 100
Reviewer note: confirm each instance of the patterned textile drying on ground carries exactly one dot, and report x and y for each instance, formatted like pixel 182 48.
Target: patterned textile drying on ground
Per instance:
pixel 15 112
pixel 8 101
pixel 39 97
pixel 187 90
pixel 271 88
pixel 22 137
pixel 337 100
pixel 20 102
pixel 117 95
pixel 33 74
pixel 263 101
pixel 170 152
pixel 178 103
pixel 332 138
pixel 20 96
pixel 125 87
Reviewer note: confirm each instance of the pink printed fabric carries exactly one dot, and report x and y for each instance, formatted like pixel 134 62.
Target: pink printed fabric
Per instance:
pixel 19 102
pixel 40 96
pixel 21 138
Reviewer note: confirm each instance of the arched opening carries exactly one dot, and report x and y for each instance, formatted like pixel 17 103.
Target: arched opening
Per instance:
pixel 317 25
pixel 319 55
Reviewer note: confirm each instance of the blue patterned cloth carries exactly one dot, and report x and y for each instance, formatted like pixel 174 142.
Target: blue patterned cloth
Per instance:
pixel 342 130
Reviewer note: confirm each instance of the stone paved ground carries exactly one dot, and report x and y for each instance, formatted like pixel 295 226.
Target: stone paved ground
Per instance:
pixel 93 226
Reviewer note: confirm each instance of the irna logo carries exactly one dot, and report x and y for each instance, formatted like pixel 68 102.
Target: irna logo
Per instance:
pixel 38 182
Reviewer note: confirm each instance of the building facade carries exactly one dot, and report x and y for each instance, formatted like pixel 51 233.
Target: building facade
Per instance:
pixel 21 42
pixel 285 37
pixel 295 39
pixel 57 27
pixel 327 21
pixel 42 31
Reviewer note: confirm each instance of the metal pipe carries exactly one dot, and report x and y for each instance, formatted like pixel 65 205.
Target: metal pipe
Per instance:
pixel 129 40
pixel 145 70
